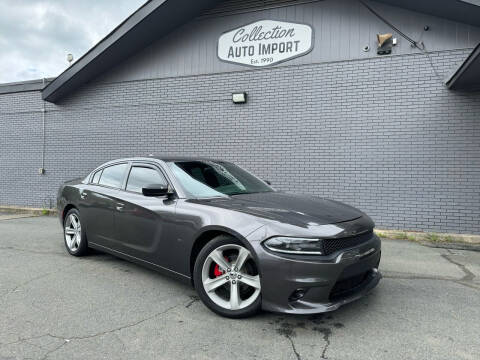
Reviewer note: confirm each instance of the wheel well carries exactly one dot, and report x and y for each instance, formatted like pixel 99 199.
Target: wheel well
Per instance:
pixel 66 209
pixel 200 242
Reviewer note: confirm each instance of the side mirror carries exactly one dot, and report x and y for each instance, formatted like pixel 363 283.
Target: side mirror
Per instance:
pixel 156 190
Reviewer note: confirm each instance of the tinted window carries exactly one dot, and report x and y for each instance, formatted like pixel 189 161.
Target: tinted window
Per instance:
pixel 141 176
pixel 199 178
pixel 113 175
pixel 96 176
pixel 193 188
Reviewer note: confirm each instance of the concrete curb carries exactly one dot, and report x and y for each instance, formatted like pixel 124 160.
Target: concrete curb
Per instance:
pixel 428 236
pixel 434 240
pixel 453 246
pixel 28 210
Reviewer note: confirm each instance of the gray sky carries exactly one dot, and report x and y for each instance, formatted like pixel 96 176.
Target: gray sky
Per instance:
pixel 37 35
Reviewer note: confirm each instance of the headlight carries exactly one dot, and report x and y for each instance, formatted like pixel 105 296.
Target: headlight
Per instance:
pixel 293 245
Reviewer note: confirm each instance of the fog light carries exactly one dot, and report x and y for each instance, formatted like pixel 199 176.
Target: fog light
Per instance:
pixel 297 295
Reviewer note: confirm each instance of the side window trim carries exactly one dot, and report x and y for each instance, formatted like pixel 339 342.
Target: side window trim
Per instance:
pixel 126 176
pixel 144 165
pixel 93 176
pixel 131 164
pixel 128 163
pixel 157 167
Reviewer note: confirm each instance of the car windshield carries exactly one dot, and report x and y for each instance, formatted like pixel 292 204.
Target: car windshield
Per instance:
pixel 205 178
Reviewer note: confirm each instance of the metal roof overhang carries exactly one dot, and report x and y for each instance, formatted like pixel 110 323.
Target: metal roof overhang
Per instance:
pixel 156 18
pixel 467 76
pixel 464 11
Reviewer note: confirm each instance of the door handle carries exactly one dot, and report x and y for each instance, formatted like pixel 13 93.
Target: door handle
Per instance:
pixel 83 195
pixel 120 206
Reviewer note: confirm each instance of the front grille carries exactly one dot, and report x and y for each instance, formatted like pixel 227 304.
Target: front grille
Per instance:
pixel 344 288
pixel 332 245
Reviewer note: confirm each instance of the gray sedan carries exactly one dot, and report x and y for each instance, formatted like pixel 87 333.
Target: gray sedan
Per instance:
pixel 243 245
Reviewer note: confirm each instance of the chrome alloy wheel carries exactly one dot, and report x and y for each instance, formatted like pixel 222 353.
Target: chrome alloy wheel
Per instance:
pixel 73 232
pixel 229 278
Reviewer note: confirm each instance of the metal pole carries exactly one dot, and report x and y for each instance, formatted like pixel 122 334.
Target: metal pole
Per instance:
pixel 44 110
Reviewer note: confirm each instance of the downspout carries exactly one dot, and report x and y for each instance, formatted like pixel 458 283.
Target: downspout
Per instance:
pixel 41 171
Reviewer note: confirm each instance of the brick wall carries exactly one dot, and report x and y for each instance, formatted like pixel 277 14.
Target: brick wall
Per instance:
pixel 383 134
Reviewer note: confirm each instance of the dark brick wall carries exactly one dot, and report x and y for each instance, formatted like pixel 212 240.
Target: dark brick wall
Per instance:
pixel 383 134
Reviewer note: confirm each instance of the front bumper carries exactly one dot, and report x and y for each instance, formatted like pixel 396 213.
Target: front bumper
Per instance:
pixel 325 283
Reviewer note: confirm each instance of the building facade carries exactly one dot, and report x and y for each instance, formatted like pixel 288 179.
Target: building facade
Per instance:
pixel 380 132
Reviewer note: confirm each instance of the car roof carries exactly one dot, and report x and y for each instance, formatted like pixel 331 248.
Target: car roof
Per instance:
pixel 183 158
pixel 161 158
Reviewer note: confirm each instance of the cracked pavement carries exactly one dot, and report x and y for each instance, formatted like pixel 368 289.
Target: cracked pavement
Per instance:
pixel 55 306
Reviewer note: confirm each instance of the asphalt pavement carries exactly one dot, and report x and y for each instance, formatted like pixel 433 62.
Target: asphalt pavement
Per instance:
pixel 55 306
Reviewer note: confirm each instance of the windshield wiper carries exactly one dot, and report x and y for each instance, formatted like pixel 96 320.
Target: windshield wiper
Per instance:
pixel 239 193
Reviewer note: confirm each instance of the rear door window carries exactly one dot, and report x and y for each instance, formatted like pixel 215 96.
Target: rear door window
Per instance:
pixel 113 176
pixel 141 176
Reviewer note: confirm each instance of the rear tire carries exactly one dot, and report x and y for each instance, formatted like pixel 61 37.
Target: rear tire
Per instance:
pixel 226 278
pixel 74 235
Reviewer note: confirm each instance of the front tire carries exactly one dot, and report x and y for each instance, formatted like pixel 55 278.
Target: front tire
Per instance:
pixel 74 234
pixel 226 278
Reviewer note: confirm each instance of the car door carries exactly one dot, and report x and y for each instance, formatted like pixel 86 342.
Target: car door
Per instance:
pixel 98 201
pixel 142 222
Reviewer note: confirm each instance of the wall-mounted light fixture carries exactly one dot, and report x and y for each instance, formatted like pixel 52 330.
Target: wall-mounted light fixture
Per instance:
pixel 239 98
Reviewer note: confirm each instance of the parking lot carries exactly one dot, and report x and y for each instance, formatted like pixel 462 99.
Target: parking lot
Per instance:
pixel 55 306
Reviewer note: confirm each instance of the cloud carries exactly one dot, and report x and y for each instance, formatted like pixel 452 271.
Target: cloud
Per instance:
pixel 37 35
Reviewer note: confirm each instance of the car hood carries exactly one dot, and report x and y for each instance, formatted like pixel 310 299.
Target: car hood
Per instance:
pixel 293 209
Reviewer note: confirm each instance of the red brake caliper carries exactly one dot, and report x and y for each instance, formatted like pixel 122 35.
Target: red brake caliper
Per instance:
pixel 216 269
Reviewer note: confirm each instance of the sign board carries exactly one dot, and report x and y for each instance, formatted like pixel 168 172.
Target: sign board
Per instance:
pixel 265 42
